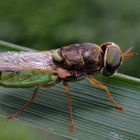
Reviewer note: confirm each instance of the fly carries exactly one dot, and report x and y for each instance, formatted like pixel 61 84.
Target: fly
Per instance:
pixel 68 64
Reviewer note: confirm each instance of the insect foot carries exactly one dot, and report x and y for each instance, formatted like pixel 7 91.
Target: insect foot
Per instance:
pixel 120 108
pixel 73 128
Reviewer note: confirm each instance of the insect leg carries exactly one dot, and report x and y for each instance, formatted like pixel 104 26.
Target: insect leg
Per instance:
pixel 98 84
pixel 23 108
pixel 69 98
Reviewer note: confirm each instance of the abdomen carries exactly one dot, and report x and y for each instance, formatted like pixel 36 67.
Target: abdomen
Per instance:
pixel 26 79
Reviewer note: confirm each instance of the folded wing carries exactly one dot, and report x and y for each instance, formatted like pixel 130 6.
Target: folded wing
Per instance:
pixel 16 61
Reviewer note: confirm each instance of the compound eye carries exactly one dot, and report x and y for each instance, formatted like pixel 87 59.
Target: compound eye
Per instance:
pixel 113 60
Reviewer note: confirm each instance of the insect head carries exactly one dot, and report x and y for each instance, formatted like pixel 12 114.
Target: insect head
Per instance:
pixel 113 57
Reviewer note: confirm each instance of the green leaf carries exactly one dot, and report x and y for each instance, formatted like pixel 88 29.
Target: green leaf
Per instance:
pixel 95 116
pixel 6 46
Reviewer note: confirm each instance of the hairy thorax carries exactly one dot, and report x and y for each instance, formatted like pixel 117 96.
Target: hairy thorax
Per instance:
pixel 81 59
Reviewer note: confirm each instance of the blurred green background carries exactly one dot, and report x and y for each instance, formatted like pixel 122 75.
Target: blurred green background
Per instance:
pixel 48 24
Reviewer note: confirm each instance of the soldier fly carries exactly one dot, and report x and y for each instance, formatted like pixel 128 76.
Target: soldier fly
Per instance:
pixel 70 63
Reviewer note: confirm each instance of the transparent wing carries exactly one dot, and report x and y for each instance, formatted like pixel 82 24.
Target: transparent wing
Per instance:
pixel 16 61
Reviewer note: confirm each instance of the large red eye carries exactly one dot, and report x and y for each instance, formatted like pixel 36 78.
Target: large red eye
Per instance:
pixel 112 60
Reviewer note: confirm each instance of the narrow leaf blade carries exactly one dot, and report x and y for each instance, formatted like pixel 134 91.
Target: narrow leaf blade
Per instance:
pixel 95 116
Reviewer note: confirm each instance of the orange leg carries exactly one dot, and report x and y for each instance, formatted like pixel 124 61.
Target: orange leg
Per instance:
pixel 69 98
pixel 23 108
pixel 98 84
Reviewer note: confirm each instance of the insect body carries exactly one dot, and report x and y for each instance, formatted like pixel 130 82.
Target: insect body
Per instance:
pixel 71 63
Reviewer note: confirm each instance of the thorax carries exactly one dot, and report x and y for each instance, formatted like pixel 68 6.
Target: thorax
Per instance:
pixel 81 59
